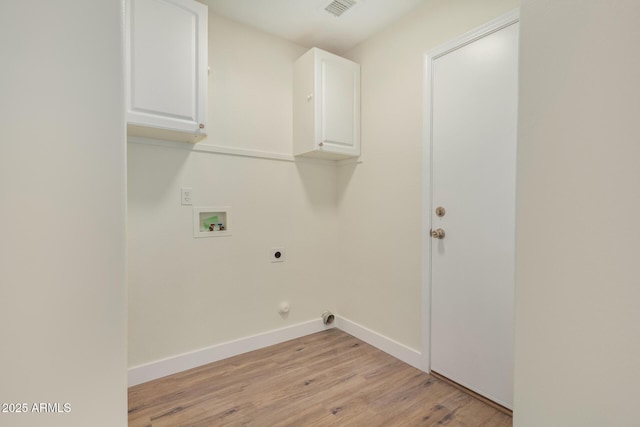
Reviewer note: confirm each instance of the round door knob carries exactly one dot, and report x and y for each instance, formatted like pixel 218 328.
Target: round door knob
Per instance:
pixel 201 126
pixel 438 233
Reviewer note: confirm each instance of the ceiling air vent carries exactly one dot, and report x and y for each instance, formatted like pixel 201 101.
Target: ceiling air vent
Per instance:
pixel 338 7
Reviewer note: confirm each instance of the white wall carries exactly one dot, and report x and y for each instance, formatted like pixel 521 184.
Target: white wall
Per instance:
pixel 186 294
pixel 62 215
pixel 380 200
pixel 577 317
pixel 250 88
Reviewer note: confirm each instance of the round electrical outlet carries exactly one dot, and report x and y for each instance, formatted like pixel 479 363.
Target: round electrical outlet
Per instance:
pixel 277 255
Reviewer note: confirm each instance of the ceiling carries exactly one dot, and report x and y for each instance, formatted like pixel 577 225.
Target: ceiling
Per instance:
pixel 306 22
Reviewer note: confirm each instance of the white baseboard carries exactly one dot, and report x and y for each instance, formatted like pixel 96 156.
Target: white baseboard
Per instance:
pixel 182 362
pixel 399 351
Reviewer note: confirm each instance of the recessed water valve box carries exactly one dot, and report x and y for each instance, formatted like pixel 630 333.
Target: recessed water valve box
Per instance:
pixel 211 221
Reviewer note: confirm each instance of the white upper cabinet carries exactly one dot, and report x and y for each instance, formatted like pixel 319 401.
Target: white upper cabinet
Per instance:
pixel 326 106
pixel 166 63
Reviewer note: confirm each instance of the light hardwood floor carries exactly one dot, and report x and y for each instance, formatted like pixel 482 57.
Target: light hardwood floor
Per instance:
pixel 325 379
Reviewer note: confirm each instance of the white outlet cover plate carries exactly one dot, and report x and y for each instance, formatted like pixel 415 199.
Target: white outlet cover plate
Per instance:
pixel 186 194
pixel 273 254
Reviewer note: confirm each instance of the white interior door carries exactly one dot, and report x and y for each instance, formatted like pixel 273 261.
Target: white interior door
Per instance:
pixel 473 131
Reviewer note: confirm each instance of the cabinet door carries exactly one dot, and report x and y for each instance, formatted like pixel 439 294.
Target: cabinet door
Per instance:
pixel 167 64
pixel 340 105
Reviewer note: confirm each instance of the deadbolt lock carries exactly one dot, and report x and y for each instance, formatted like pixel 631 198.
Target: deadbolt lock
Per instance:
pixel 438 233
pixel 440 211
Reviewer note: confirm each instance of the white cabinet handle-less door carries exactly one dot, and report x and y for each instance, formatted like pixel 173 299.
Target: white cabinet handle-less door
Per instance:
pixel 473 128
pixel 167 67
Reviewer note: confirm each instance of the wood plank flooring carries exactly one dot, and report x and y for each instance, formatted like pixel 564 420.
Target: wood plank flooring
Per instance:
pixel 325 379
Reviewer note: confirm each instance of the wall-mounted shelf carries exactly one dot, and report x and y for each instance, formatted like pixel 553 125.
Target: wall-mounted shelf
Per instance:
pixel 211 221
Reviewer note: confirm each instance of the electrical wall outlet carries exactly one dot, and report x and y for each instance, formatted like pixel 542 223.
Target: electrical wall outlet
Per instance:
pixel 276 255
pixel 185 196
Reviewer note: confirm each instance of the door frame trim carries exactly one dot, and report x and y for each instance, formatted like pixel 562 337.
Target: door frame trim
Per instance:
pixel 430 56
